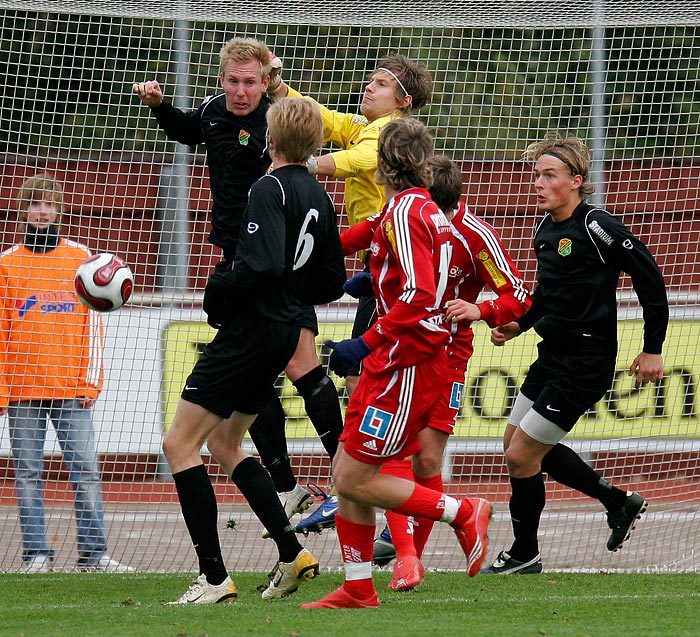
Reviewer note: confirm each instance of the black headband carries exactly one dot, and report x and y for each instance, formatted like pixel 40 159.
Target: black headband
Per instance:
pixel 564 161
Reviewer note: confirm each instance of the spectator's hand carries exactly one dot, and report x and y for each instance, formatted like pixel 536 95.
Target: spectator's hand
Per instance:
pixel 461 310
pixel 149 93
pixel 359 285
pixel 503 333
pixel 648 367
pixel 86 403
pixel 3 411
pixel 346 354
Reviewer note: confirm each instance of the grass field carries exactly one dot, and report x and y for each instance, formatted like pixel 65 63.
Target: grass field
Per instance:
pixel 553 604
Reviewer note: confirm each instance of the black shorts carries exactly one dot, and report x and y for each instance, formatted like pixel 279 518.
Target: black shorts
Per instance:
pixel 564 383
pixel 237 369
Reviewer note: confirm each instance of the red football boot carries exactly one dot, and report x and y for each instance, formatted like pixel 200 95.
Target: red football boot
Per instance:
pixel 473 535
pixel 408 573
pixel 340 598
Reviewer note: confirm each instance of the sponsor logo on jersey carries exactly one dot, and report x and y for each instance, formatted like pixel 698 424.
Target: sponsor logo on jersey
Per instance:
pixel 49 303
pixel 243 137
pixel 27 305
pixel 371 445
pixel 496 275
pixel 564 248
pixel 441 222
pixel 596 229
pixel 375 422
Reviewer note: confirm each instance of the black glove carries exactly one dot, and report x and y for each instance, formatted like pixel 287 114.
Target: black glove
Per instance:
pixel 216 303
pixel 346 354
pixel 359 285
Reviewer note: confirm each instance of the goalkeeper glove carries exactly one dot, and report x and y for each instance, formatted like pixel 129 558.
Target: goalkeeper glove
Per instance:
pixel 275 73
pixel 312 165
pixel 346 354
pixel 359 285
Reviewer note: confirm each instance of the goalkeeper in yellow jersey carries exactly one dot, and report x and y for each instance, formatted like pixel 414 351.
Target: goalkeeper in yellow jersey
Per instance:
pixel 396 88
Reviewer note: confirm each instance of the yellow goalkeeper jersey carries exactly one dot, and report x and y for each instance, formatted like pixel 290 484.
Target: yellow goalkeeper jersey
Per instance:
pixel 357 162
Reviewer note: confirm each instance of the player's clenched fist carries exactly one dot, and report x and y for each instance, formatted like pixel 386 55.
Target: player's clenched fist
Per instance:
pixel 150 93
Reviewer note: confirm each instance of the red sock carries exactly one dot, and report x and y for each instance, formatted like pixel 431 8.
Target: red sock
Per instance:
pixel 422 527
pixel 423 503
pixel 401 527
pixel 356 543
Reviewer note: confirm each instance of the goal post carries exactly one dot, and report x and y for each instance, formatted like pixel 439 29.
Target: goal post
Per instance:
pixel 621 75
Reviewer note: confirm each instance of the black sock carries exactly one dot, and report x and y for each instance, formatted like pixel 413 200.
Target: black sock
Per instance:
pixel 198 504
pixel 322 406
pixel 268 436
pixel 254 483
pixel 526 505
pixel 568 468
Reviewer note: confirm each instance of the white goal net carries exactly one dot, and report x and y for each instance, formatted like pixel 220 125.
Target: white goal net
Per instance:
pixel 624 76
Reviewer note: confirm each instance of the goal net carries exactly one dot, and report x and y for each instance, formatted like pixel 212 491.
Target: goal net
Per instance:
pixel 621 75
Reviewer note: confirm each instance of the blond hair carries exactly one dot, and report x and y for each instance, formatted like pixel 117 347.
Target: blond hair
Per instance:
pixel 405 146
pixel 295 128
pixel 40 187
pixel 571 151
pixel 244 50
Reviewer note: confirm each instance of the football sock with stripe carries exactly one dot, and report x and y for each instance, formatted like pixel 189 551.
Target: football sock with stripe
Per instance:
pixel 356 543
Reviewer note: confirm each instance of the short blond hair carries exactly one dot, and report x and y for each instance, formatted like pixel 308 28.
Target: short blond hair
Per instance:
pixel 571 151
pixel 40 187
pixel 295 128
pixel 405 147
pixel 244 50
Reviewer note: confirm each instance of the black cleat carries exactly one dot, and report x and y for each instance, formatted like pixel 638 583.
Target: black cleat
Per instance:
pixel 623 520
pixel 506 565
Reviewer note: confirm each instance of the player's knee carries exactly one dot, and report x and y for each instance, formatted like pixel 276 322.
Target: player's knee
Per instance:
pixel 426 464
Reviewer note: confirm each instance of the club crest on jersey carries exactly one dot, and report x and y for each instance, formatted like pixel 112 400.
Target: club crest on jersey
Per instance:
pixel 389 232
pixel 375 422
pixel 495 274
pixel 564 248
pixel 243 137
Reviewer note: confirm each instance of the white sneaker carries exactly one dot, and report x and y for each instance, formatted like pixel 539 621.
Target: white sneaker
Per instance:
pixel 294 501
pixel 104 565
pixel 287 576
pixel 39 563
pixel 202 592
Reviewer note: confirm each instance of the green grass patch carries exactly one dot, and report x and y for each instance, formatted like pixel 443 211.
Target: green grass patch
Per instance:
pixel 551 604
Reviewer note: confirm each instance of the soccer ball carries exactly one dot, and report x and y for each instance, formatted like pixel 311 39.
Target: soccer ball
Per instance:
pixel 104 282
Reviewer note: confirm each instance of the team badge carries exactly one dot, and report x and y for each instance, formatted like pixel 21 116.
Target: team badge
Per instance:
pixel 389 232
pixel 564 248
pixel 375 422
pixel 243 137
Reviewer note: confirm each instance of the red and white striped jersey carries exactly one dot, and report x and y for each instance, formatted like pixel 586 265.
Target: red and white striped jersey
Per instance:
pixel 480 261
pixel 410 252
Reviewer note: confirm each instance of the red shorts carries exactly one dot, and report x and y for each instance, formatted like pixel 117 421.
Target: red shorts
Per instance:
pixel 447 408
pixel 388 409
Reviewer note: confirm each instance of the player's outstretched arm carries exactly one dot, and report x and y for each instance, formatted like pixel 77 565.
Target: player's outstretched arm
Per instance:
pixel 648 369
pixel 149 92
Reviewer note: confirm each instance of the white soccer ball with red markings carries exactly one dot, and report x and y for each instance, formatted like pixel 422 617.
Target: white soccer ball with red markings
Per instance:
pixel 104 282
